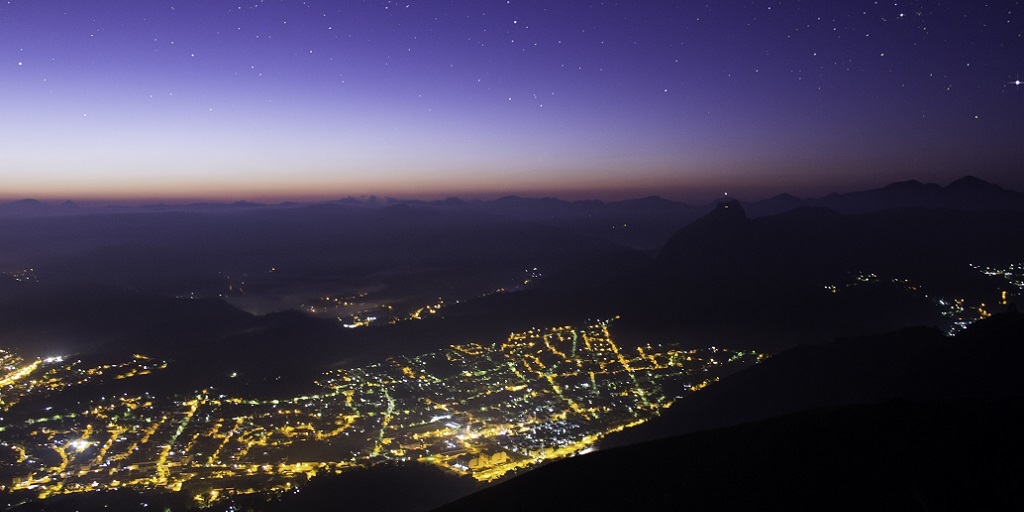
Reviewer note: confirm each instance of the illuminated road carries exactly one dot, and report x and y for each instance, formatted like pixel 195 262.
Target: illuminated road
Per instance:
pixel 477 409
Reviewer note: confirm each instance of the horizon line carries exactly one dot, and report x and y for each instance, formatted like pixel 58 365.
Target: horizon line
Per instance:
pixel 154 200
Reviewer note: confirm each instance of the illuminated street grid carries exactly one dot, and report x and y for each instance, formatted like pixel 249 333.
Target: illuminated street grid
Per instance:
pixel 479 410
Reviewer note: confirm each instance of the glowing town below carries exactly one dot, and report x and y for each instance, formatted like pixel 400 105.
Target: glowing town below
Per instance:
pixel 478 410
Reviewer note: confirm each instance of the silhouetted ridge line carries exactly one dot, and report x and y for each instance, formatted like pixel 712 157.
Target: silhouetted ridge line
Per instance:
pixel 906 420
pixel 890 456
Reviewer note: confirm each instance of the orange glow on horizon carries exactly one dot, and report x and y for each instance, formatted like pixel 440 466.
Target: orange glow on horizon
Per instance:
pixel 431 187
pixel 310 185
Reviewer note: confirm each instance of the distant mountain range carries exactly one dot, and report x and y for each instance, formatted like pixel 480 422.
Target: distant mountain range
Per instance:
pixel 967 193
pixel 645 221
pixel 642 223
pixel 34 208
pixel 769 274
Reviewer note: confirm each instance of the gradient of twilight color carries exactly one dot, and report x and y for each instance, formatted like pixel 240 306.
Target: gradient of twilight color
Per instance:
pixel 281 99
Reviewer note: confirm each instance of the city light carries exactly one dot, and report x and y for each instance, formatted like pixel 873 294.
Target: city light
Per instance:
pixel 482 410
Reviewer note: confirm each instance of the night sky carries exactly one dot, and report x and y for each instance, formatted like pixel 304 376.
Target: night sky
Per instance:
pixel 281 99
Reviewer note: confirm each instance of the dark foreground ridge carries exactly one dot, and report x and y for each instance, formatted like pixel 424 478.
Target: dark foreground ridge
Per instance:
pixel 962 455
pixel 911 422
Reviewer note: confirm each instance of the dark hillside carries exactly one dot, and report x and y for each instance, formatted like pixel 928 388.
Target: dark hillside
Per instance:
pixel 910 420
pixel 892 456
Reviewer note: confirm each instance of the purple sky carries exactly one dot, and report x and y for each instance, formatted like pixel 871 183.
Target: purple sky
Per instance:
pixel 320 99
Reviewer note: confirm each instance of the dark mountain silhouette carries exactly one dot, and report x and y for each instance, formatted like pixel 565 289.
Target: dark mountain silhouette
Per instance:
pixel 205 339
pixel 34 208
pixel 723 233
pixel 638 223
pixel 811 241
pixel 724 279
pixel 731 280
pixel 40 319
pixel 651 217
pixel 27 205
pixel 967 193
pixel 918 363
pixel 173 250
pixel 894 456
pixel 908 420
pixel 774 205
pixel 643 223
pixel 739 280
pixel 760 282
